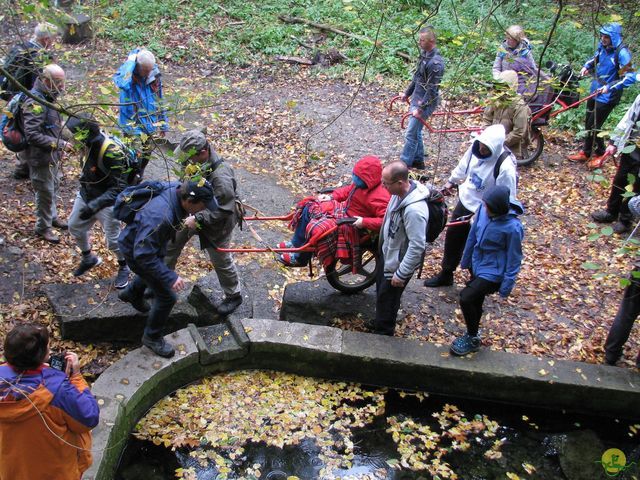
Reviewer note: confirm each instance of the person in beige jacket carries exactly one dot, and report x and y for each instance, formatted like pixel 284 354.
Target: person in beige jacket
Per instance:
pixel 508 108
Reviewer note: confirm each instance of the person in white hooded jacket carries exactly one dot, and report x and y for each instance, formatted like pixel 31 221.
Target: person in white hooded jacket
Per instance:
pixel 486 163
pixel 402 242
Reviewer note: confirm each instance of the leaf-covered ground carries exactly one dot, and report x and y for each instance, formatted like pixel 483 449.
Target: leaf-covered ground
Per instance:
pixel 275 121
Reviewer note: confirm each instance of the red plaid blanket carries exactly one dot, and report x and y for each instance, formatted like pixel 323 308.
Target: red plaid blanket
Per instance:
pixel 343 243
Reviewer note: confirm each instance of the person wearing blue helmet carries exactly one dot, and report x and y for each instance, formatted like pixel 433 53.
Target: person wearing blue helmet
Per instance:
pixel 612 70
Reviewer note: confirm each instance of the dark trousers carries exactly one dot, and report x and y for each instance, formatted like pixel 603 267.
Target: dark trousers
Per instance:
pixel 23 166
pixel 597 114
pixel 455 239
pixel 471 300
pixel 622 324
pixel 144 148
pixel 387 302
pixel 617 205
pixel 163 300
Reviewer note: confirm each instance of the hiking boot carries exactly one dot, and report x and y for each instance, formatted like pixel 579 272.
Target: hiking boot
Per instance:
pixel 621 227
pixel 21 174
pixel 443 279
pixel 122 277
pixel 465 344
pixel 418 166
pixel 581 156
pixel 597 161
pixel 57 223
pixel 603 216
pixel 371 326
pixel 138 303
pixel 48 235
pixel 160 346
pixel 229 304
pixel 285 245
pixel 86 264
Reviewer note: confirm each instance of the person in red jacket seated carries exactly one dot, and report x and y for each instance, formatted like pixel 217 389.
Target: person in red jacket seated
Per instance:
pixel 365 199
pixel 46 413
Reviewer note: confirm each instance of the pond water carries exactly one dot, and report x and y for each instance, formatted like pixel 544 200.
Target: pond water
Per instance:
pixel 368 433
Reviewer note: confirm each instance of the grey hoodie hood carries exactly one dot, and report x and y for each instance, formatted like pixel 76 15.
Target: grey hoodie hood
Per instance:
pixel 417 193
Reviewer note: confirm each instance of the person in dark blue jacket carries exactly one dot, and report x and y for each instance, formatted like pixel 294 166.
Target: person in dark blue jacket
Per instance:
pixel 144 242
pixel 612 71
pixel 493 253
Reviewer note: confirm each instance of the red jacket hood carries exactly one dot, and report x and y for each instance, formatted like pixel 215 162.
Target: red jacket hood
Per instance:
pixel 369 169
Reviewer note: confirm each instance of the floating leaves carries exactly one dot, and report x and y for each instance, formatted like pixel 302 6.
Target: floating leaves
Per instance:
pixel 274 408
pixel 420 448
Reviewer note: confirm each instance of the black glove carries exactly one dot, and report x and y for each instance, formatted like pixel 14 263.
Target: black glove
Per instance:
pixel 86 213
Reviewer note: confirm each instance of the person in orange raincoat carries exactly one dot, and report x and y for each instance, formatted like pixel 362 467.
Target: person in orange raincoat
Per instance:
pixel 46 414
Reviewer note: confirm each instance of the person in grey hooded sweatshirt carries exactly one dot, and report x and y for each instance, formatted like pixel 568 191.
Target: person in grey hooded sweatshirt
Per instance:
pixel 402 243
pixel 485 163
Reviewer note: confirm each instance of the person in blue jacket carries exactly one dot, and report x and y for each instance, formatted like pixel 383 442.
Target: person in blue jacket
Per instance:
pixel 141 114
pixel 143 242
pixel 493 253
pixel 612 71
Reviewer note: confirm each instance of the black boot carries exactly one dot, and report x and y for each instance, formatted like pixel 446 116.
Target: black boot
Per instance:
pixel 443 279
pixel 229 304
pixel 136 302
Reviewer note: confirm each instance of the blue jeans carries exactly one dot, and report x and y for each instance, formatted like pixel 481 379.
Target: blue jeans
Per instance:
pixel 163 301
pixel 300 235
pixel 413 151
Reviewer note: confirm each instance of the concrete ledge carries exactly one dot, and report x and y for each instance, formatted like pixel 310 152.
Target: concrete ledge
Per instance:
pixel 135 383
pixel 92 312
pixel 217 344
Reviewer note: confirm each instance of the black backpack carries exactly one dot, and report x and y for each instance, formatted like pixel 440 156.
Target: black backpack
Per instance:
pixel 11 130
pixel 133 161
pixel 134 198
pixel 21 64
pixel 438 214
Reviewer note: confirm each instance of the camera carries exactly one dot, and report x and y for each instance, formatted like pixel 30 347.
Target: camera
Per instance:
pixel 58 361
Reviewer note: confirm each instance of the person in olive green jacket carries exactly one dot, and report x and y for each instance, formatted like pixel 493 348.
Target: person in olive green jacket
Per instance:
pixel 214 228
pixel 509 109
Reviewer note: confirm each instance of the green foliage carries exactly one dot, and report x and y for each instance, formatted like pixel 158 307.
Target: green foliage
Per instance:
pixel 469 33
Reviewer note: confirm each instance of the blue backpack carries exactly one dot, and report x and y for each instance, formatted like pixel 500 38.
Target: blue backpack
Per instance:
pixel 11 130
pixel 134 198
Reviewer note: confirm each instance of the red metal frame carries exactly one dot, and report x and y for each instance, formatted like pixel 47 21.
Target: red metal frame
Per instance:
pixel 310 246
pixel 564 107
pixel 478 110
pixel 440 113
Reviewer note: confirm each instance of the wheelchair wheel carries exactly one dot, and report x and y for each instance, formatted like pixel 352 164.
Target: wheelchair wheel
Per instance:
pixel 532 149
pixel 341 278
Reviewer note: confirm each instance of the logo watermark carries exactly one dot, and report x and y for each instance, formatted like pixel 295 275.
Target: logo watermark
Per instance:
pixel 614 461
